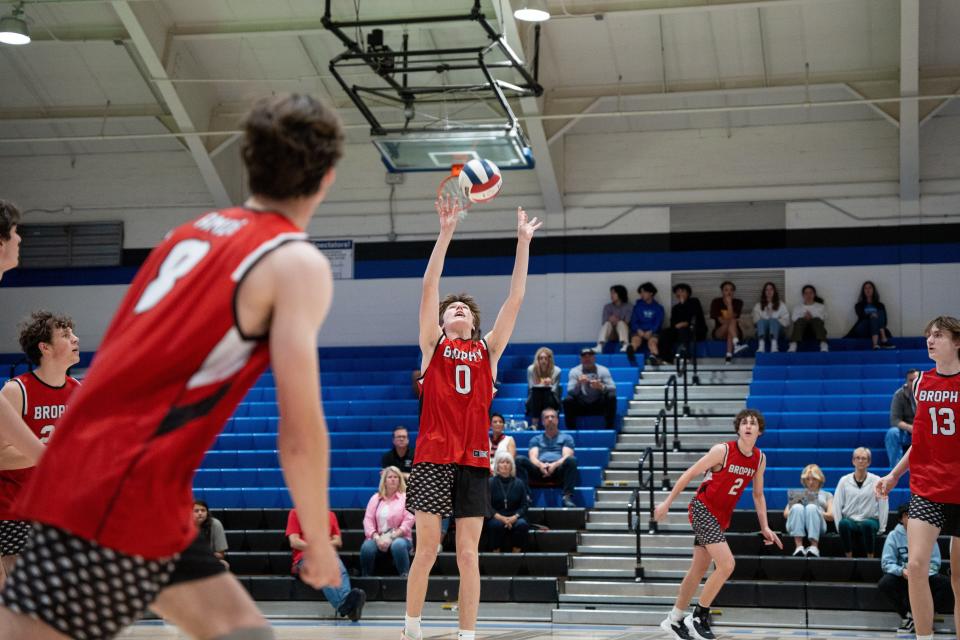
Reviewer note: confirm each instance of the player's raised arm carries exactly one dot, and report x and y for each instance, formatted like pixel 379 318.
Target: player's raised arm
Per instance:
pixel 22 449
pixel 503 327
pixel 709 460
pixel 760 504
pixel 430 298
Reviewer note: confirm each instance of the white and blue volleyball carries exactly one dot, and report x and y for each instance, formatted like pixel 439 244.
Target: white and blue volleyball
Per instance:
pixel 480 180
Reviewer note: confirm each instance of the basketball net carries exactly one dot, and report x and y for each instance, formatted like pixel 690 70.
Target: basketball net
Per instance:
pixel 450 188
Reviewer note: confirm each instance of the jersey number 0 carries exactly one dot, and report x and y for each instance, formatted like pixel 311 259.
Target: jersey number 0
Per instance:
pixel 461 379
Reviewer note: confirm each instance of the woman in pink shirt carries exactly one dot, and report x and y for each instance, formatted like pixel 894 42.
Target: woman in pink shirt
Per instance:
pixel 387 524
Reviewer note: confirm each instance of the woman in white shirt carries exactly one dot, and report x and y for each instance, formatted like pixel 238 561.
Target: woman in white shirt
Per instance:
pixel 771 318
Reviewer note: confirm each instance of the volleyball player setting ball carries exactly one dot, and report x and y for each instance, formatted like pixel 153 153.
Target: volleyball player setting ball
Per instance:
pixel 934 463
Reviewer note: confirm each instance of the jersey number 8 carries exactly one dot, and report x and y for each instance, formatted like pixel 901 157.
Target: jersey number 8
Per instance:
pixel 183 257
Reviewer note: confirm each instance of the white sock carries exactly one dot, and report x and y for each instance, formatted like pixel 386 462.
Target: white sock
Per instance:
pixel 411 626
pixel 920 637
pixel 466 635
pixel 676 615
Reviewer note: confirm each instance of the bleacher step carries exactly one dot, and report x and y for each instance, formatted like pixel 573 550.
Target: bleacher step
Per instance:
pixel 617 520
pixel 628 477
pixel 675 459
pixel 617 498
pixel 642 424
pixel 699 392
pixel 638 442
pixel 697 407
pixel 723 375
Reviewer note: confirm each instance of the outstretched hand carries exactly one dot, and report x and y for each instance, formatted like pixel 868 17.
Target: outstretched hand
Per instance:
pixel 526 228
pixel 769 537
pixel 449 211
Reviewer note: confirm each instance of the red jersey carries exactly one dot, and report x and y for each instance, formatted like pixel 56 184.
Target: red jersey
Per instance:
pixel 457 389
pixel 293 527
pixel 41 410
pixel 935 456
pixel 721 490
pixel 171 369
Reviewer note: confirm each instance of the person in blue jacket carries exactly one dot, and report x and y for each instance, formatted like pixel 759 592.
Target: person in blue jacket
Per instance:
pixel 645 323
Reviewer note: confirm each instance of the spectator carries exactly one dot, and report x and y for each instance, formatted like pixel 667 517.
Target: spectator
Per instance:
pixel 590 391
pixel 507 528
pixel 871 318
pixel 401 455
pixel 387 524
pixel 614 318
pixel 893 583
pixel 903 408
pixel 500 441
pixel 725 312
pixel 770 317
pixel 543 384
pixel 686 319
pixel 211 530
pixel 859 515
pixel 808 510
pixel 809 316
pixel 346 601
pixel 645 324
pixel 551 457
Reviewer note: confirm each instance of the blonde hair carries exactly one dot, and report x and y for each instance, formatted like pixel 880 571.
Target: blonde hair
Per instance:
pixel 504 455
pixel 402 488
pixel 813 471
pixel 864 450
pixel 541 373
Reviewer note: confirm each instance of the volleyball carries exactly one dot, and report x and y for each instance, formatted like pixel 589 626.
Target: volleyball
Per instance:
pixel 480 180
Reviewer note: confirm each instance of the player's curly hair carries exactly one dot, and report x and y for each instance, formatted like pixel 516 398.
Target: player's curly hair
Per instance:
pixel 749 413
pixel 9 218
pixel 471 303
pixel 290 143
pixel 39 328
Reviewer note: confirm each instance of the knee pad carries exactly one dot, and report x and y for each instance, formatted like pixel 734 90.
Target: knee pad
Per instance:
pixel 250 633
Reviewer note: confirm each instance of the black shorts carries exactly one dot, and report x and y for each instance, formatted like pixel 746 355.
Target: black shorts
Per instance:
pixel 13 536
pixel 90 592
pixel 706 527
pixel 449 489
pixel 944 516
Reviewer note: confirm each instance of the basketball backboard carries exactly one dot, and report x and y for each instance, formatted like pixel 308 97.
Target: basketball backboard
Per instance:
pixel 440 150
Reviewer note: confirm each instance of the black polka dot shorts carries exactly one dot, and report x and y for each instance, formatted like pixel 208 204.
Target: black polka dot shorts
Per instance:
pixel 449 490
pixel 82 590
pixel 13 536
pixel 941 515
pixel 706 528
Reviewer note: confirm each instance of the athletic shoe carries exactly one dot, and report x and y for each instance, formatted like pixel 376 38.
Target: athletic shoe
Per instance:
pixel 774 347
pixel 623 347
pixel 887 345
pixel 405 636
pixel 654 361
pixel 353 604
pixel 568 502
pixel 699 628
pixel 729 358
pixel 631 355
pixel 800 551
pixel 813 552
pixel 761 347
pixel 599 347
pixel 792 348
pixel 906 625
pixel 740 347
pixel 824 347
pixel 676 630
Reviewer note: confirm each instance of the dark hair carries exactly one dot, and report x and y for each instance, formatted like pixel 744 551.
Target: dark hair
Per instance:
pixel 775 301
pixel 290 143
pixel 684 286
pixel 902 510
pixel 9 218
pixel 727 282
pixel 909 373
pixel 471 303
pixel 876 294
pixel 816 298
pixel 395 429
pixel 647 286
pixel 39 328
pixel 621 292
pixel 497 415
pixel 749 413
pixel 206 527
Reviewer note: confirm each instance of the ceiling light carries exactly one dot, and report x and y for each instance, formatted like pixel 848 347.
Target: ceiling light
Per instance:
pixel 532 11
pixel 13 28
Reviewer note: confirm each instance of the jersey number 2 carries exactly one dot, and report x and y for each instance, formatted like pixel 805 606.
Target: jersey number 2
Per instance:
pixel 948 426
pixel 461 379
pixel 736 486
pixel 183 257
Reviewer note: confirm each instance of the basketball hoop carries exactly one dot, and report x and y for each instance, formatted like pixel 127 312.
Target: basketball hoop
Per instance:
pixel 450 188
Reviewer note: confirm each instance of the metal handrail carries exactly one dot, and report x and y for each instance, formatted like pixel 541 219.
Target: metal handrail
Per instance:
pixel 633 509
pixel 682 371
pixel 672 404
pixel 660 439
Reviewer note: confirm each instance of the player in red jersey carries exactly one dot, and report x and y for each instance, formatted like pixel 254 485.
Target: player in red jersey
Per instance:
pixel 732 466
pixel 216 301
pixel 42 394
pixel 451 467
pixel 19 447
pixel 934 463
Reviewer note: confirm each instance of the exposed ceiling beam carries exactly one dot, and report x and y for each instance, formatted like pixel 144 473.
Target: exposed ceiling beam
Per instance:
pixel 153 60
pixel 909 109
pixel 569 124
pixel 560 10
pixel 880 112
pixel 82 112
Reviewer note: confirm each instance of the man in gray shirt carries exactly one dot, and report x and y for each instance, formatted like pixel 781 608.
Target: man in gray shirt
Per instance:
pixel 903 407
pixel 590 391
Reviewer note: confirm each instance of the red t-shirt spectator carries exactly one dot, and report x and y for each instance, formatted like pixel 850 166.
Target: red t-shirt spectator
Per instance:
pixel 293 527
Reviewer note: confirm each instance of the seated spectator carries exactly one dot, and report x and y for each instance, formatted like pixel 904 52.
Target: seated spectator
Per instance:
pixel 551 457
pixel 871 318
pixel 645 324
pixel 500 441
pixel 211 530
pixel 614 318
pixel 725 312
pixel 507 529
pixel 809 318
pixel 807 511
pixel 346 601
pixel 543 385
pixel 893 583
pixel 686 320
pixel 401 455
pixel 770 317
pixel 590 391
pixel 903 408
pixel 859 515
pixel 387 525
